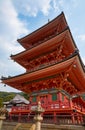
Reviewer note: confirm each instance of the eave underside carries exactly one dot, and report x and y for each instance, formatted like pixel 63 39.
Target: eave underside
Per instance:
pixel 67 75
pixel 79 100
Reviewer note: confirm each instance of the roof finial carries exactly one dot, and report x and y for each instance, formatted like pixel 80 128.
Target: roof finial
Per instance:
pixel 48 20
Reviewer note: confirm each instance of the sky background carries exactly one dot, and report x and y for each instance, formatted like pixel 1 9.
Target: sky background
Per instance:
pixel 21 17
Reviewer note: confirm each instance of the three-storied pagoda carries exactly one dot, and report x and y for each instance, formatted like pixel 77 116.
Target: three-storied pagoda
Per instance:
pixel 54 70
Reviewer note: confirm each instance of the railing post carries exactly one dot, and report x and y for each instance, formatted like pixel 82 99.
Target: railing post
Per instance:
pixel 10 117
pixel 19 117
pixel 73 120
pixel 54 117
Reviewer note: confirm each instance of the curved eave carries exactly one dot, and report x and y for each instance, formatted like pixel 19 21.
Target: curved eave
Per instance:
pixel 41 29
pixel 44 72
pixel 64 38
pixel 76 75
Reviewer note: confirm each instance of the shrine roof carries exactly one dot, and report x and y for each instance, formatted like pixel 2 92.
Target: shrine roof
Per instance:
pixel 72 65
pixel 18 99
pixel 25 41
pixel 65 38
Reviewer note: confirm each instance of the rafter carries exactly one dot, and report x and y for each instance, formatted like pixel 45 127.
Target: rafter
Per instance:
pixel 59 81
pixel 50 58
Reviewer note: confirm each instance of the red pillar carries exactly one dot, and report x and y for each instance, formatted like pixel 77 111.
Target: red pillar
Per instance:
pixel 10 116
pixel 81 119
pixel 19 118
pixel 78 121
pixel 54 117
pixel 60 99
pixel 73 119
pixel 71 104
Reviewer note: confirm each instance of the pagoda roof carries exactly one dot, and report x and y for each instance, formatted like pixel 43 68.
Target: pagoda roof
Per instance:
pixel 65 38
pixel 72 65
pixel 41 32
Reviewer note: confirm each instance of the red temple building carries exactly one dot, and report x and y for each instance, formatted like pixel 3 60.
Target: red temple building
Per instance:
pixel 55 74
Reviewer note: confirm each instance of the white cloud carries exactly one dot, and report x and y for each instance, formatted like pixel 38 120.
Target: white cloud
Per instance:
pixel 10 28
pixel 82 37
pixel 83 60
pixel 32 7
pixel 4 88
pixel 61 2
pixel 64 5
pixel 9 18
pixel 75 3
pixel 55 6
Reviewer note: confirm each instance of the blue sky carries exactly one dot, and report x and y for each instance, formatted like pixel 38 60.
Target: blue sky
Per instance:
pixel 21 17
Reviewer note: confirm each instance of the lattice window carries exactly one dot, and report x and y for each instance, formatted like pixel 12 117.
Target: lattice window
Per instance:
pixel 34 99
pixel 54 97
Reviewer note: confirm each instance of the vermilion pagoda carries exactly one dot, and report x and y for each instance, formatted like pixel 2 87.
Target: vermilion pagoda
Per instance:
pixel 54 71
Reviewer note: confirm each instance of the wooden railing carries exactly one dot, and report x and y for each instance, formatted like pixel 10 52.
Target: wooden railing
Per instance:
pixel 56 105
pixel 50 119
pixel 20 108
pixel 46 106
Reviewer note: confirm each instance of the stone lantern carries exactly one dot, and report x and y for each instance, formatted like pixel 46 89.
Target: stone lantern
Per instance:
pixel 3 112
pixel 38 118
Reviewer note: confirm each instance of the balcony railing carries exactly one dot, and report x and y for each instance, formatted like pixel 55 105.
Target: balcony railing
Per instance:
pixel 52 106
pixel 46 106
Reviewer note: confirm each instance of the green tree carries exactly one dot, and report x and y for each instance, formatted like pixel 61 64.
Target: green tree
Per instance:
pixel 9 97
pixel 25 95
pixel 1 102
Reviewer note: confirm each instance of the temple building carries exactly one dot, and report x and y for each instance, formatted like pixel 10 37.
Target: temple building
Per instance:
pixel 17 101
pixel 55 73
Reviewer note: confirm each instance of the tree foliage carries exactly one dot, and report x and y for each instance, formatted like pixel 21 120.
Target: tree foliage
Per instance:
pixel 1 102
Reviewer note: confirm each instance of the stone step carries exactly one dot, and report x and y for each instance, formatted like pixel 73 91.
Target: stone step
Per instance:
pixel 29 126
pixel 23 126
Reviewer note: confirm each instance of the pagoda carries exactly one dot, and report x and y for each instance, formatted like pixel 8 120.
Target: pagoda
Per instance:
pixel 55 74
